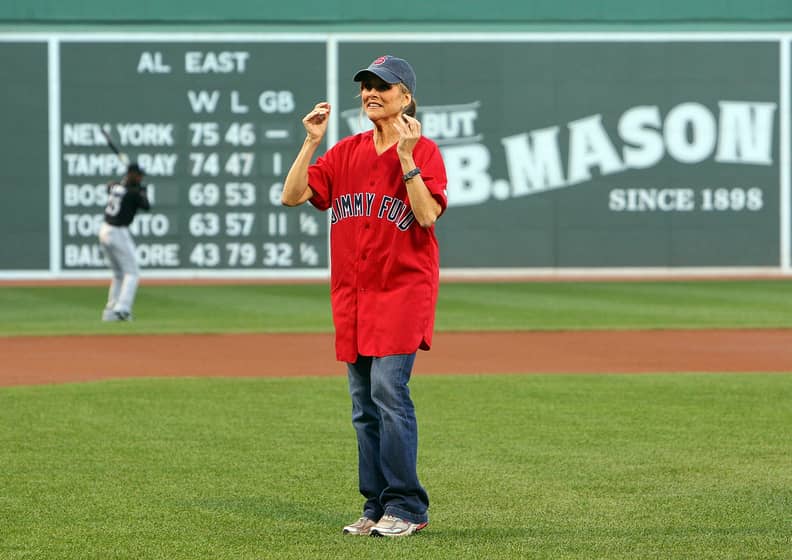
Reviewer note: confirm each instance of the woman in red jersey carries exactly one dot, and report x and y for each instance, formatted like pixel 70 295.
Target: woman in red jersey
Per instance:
pixel 384 188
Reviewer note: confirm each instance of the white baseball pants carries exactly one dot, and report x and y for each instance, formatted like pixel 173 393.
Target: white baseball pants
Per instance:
pixel 119 248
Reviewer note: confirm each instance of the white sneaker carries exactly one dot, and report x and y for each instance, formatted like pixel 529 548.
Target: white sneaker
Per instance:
pixel 360 527
pixel 391 526
pixel 109 315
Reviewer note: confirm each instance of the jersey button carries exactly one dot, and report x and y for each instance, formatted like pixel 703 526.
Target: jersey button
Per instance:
pixel 367 226
pixel 362 257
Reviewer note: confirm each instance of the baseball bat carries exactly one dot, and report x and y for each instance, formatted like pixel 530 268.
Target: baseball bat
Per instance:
pixel 122 156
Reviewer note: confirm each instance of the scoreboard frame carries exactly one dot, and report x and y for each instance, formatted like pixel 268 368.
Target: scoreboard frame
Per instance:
pixel 332 42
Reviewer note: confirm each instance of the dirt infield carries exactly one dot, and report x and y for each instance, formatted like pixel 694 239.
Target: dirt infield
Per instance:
pixel 41 360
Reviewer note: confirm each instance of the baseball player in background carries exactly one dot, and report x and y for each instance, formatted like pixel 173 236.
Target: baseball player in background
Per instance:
pixel 123 201
pixel 385 189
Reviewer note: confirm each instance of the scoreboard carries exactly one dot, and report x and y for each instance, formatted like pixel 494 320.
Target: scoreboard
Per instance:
pixel 24 214
pixel 581 151
pixel 215 127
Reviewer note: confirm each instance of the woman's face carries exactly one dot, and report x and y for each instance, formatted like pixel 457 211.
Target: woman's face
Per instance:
pixel 382 100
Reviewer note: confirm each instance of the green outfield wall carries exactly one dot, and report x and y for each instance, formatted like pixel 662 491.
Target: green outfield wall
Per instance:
pixel 567 152
pixel 344 11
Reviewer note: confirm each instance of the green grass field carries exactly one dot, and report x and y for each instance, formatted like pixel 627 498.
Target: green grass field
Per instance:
pixel 659 466
pixel 558 467
pixel 461 306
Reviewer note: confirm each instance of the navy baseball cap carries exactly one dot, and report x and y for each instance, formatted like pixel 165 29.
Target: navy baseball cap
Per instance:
pixel 391 70
pixel 135 168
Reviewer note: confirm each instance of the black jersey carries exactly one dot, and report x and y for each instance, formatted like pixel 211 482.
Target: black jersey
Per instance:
pixel 123 202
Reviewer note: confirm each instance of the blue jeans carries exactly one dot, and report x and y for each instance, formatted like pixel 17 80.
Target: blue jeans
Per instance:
pixel 387 433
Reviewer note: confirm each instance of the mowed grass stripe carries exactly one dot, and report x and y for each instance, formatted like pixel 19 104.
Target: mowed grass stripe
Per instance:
pixel 47 310
pixel 653 466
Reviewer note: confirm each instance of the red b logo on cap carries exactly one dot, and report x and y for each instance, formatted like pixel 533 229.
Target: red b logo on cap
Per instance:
pixel 379 61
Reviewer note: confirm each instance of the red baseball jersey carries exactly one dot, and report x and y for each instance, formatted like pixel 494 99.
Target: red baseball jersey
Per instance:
pixel 384 271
